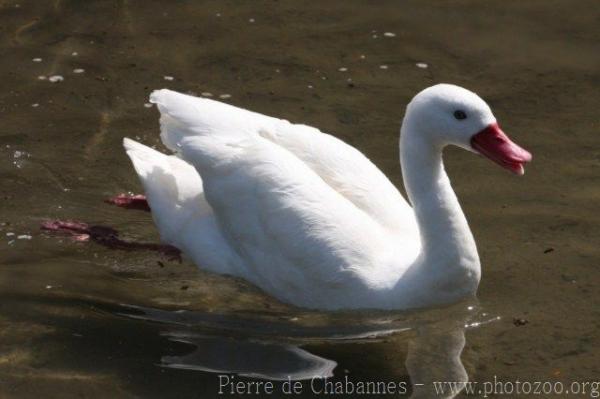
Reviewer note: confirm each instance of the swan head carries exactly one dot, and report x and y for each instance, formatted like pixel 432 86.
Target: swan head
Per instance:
pixel 446 114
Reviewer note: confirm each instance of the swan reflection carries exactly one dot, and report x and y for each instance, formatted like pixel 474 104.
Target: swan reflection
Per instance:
pixel 234 346
pixel 270 361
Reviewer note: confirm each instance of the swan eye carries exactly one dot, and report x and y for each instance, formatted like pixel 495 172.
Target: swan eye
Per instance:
pixel 460 115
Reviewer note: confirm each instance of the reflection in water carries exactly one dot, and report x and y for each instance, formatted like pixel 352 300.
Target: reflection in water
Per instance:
pixel 270 361
pixel 271 350
pixel 434 355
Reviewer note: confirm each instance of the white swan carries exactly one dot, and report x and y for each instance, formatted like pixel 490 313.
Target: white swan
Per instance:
pixel 308 218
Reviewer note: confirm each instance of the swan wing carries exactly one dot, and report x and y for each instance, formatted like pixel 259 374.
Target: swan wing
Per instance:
pixel 344 168
pixel 297 234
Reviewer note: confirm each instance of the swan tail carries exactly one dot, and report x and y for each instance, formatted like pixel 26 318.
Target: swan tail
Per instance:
pixel 173 188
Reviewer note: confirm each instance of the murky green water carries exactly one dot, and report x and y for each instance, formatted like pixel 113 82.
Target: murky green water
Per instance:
pixel 79 320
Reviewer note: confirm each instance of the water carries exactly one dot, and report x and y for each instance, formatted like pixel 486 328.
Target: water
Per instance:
pixel 79 320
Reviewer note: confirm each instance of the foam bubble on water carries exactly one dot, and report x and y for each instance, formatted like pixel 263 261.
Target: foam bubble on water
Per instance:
pixel 362 56
pixel 383 67
pixel 225 96
pixel 251 20
pixel 168 78
pixel 422 65
pixel 206 94
pixel 389 34
pixel 78 70
pixel 35 105
pixel 24 237
pixel 310 86
pixel 37 60
pixel 20 158
pixel 374 36
pixel 218 14
pixel 343 69
pixel 56 78
pixel 148 105
pixel 74 54
pixel 10 234
pixel 42 77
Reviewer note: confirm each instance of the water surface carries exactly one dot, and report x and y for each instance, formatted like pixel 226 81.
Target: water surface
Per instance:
pixel 80 320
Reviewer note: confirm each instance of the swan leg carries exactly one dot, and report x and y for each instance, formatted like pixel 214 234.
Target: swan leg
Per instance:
pixel 130 201
pixel 106 236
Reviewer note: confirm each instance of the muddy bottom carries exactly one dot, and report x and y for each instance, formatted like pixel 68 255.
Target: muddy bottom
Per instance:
pixel 80 320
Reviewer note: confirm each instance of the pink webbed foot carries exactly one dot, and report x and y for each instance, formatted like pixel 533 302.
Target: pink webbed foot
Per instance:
pixel 106 236
pixel 130 201
pixel 78 231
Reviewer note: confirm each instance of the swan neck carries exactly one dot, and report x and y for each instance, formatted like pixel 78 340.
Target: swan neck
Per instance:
pixel 445 235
